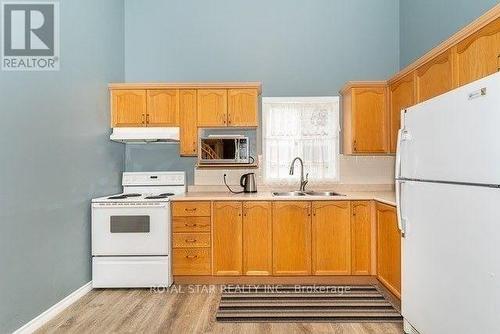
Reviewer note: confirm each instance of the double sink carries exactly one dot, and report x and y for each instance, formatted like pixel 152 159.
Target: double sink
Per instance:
pixel 306 193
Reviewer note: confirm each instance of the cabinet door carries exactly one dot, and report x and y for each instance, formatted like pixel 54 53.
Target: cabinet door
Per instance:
pixel 212 107
pixel 434 77
pixel 257 238
pixel 479 54
pixel 388 248
pixel 401 96
pixel 163 107
pixel 242 107
pixel 292 238
pixel 361 238
pixel 128 108
pixel 227 247
pixel 369 117
pixel 188 123
pixel 331 238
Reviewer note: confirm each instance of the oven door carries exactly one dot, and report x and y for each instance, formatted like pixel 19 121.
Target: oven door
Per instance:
pixel 121 229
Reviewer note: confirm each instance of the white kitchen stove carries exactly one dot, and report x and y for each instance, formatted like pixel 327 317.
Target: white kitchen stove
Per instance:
pixel 131 232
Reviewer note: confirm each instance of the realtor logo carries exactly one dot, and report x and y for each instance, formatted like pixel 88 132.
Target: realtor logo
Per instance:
pixel 30 36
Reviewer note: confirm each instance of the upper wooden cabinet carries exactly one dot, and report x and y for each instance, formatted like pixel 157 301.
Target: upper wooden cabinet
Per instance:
pixel 470 54
pixel 227 238
pixel 388 248
pixel 242 107
pixel 434 77
pixel 162 107
pixel 361 234
pixel 257 238
pixel 212 107
pixel 401 96
pixel 331 238
pixel 188 122
pixel 164 104
pixel 479 54
pixel 291 238
pixel 128 108
pixel 231 107
pixel 364 107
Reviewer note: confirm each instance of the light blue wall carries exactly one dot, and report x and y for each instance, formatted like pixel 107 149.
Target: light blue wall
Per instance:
pixel 296 48
pixel 55 156
pixel 426 23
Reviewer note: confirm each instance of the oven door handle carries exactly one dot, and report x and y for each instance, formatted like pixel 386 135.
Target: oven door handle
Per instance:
pixel 130 206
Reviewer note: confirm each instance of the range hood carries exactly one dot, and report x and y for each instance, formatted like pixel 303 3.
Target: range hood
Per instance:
pixel 145 135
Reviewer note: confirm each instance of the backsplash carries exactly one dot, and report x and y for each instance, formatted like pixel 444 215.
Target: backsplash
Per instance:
pixel 154 157
pixel 354 170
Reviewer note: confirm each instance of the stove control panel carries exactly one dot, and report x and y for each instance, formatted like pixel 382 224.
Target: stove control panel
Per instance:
pixel 154 179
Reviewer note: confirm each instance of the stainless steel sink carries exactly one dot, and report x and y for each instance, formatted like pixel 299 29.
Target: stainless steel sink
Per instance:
pixel 289 193
pixel 306 193
pixel 323 193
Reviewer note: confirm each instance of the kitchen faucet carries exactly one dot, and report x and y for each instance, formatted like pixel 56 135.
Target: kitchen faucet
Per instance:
pixel 303 181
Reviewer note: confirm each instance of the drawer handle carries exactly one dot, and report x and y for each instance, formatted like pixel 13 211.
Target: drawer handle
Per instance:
pixel 191 240
pixel 190 225
pixel 190 210
pixel 191 256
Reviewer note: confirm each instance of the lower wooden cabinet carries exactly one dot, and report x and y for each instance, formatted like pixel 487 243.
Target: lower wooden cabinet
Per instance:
pixel 227 243
pixel 388 248
pixel 291 238
pixel 286 238
pixel 191 238
pixel 331 238
pixel 361 234
pixel 257 238
pixel 191 261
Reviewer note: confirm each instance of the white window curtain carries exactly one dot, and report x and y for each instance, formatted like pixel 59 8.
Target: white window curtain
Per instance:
pixel 307 127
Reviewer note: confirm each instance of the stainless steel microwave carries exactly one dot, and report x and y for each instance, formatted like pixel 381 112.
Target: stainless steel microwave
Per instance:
pixel 223 149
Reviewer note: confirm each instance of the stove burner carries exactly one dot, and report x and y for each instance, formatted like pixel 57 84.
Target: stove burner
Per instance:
pixel 123 196
pixel 164 195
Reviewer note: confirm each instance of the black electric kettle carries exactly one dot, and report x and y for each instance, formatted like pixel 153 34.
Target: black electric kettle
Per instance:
pixel 247 181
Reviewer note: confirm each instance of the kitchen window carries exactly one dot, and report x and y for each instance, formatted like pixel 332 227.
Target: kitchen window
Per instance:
pixel 307 127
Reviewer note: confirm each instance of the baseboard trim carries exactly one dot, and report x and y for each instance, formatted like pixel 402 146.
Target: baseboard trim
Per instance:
pixel 334 280
pixel 54 310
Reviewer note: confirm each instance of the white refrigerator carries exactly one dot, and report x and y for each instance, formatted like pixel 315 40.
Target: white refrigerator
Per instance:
pixel 448 206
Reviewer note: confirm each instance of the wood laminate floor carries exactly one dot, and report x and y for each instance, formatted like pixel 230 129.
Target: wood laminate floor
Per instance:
pixel 186 309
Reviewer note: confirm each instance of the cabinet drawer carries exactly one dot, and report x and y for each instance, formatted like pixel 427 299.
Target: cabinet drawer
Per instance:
pixel 187 209
pixel 191 224
pixel 191 261
pixel 187 240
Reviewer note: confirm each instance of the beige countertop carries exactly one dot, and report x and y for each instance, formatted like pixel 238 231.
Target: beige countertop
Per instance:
pixel 387 197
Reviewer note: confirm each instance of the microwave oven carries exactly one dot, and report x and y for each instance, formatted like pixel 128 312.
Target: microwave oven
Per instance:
pixel 223 149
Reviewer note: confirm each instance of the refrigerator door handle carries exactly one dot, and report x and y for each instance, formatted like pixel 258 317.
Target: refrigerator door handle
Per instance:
pixel 399 214
pixel 397 172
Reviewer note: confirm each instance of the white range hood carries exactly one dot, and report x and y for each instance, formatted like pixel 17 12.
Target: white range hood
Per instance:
pixel 145 135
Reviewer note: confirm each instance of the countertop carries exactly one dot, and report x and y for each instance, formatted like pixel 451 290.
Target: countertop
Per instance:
pixel 386 197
